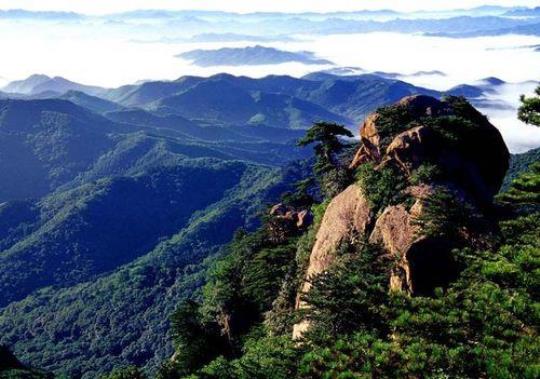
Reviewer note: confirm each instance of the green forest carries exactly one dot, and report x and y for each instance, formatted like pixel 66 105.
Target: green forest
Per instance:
pixel 480 323
pixel 461 302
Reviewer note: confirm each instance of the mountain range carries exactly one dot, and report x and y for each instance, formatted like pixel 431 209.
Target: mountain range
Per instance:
pixel 179 25
pixel 275 101
pixel 251 55
pixel 115 201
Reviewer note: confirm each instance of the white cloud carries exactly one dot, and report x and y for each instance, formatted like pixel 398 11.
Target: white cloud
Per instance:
pixel 107 6
pixel 100 53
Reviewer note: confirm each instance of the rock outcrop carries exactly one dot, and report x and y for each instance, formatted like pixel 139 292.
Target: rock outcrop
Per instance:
pixel 300 218
pixel 477 162
pixel 449 135
pixel 347 215
pixel 286 220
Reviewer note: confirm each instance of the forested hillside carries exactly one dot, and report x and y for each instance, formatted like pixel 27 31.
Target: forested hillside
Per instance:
pixel 410 266
pixel 109 212
pixel 117 213
pixel 101 216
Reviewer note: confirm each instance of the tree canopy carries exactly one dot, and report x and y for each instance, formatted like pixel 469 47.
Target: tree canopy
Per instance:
pixel 529 111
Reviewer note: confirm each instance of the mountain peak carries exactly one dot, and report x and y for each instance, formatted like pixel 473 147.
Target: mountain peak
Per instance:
pixel 493 81
pixel 25 86
pixel 249 55
pixel 39 83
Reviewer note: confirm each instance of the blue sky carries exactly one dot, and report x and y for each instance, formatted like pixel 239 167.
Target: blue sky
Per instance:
pixel 107 6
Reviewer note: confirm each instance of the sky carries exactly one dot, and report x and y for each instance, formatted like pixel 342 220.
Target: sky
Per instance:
pixel 109 6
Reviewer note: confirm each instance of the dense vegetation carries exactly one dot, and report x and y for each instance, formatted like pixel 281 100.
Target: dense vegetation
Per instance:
pixel 114 220
pixel 12 368
pixel 529 111
pixel 520 163
pixel 115 227
pixel 484 323
pixel 137 295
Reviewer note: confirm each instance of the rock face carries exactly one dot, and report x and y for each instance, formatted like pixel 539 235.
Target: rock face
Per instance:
pixel 449 135
pixel 347 215
pixel 422 262
pixel 478 163
pixel 286 220
pixel 300 218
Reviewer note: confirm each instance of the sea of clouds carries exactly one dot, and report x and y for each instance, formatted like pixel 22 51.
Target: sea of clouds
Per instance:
pixel 113 53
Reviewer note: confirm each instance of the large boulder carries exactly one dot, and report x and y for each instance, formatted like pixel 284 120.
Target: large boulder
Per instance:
pixel 285 220
pixel 477 161
pixel 422 262
pixel 449 135
pixel 348 214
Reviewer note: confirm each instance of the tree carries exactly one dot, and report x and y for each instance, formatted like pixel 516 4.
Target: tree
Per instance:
pixel 129 372
pixel 446 214
pixel 331 175
pixel 529 111
pixel 301 197
pixel 196 342
pixel 525 189
pixel 325 135
pixel 351 295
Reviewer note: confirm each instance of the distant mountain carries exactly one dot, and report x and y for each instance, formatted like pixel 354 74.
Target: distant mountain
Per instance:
pixel 240 106
pixel 147 92
pixel 356 96
pixel 234 26
pixel 46 143
pixel 182 106
pixel 276 101
pixel 93 103
pixel 27 85
pixel 428 25
pixel 480 93
pixel 532 29
pixel 466 90
pixel 493 81
pixel 247 56
pixel 524 12
pixel 220 138
pixel 397 75
pixel 44 15
pixel 235 37
pixel 50 143
pixel 37 84
pixel 432 72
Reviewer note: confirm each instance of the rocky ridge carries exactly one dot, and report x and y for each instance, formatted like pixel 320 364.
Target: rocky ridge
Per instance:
pixel 465 156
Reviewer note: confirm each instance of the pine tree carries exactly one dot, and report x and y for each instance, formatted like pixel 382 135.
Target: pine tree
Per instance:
pixel 325 135
pixel 525 189
pixel 529 111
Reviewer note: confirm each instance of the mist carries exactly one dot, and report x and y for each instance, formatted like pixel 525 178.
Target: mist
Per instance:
pixel 111 53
